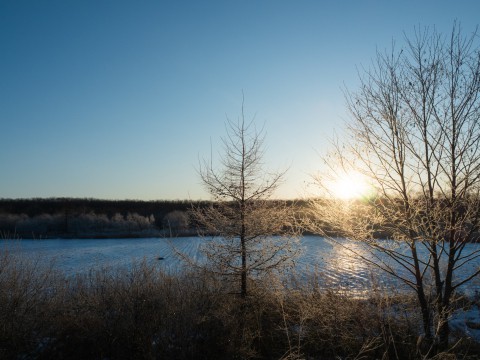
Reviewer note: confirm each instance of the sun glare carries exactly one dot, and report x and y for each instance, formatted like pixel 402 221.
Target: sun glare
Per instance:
pixel 350 186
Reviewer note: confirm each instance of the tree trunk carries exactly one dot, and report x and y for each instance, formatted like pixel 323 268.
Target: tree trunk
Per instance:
pixel 244 268
pixel 443 330
pixel 243 250
pixel 426 314
pixel 422 299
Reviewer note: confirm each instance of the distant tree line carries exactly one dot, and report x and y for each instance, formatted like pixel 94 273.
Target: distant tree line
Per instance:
pixel 97 218
pixel 75 206
pixel 70 217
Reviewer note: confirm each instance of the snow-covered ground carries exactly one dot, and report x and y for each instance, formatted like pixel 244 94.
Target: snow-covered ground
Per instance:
pixel 466 322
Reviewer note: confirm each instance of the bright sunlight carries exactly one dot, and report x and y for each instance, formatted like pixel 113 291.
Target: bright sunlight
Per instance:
pixel 350 186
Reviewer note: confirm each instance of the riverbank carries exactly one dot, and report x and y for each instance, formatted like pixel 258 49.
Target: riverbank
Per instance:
pixel 144 312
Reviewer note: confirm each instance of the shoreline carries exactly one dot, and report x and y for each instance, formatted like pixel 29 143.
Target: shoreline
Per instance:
pixel 99 236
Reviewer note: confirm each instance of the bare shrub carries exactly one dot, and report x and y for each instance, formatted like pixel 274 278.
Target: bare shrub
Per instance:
pixel 25 302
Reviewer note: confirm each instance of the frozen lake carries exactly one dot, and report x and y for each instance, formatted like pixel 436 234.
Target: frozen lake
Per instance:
pixel 335 265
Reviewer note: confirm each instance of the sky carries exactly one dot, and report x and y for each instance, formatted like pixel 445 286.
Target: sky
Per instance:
pixel 118 99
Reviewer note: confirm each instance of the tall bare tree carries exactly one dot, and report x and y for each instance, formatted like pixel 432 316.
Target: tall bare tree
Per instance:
pixel 253 233
pixel 415 136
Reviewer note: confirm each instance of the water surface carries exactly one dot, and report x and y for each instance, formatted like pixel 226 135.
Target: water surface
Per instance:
pixel 335 265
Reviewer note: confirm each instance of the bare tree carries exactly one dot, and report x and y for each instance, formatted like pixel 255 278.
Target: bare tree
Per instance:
pixel 415 136
pixel 176 222
pixel 253 233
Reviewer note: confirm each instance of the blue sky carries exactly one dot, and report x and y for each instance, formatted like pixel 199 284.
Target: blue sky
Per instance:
pixel 119 99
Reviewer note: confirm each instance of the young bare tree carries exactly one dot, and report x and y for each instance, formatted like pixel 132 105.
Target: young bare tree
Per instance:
pixel 253 234
pixel 415 137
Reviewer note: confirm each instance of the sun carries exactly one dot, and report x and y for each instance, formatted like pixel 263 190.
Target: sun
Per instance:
pixel 350 186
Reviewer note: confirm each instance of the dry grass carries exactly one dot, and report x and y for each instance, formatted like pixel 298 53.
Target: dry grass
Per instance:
pixel 142 313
